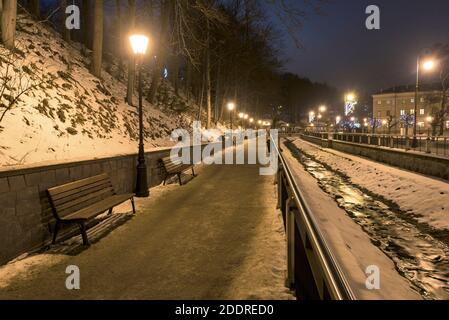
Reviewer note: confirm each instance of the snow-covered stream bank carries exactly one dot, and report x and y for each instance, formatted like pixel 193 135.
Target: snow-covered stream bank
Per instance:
pixel 417 254
pixel 423 198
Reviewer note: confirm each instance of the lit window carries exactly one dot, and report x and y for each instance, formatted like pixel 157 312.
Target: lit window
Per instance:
pixel 447 124
pixel 379 102
pixel 412 111
pixel 402 112
pixel 421 124
pixel 412 100
pixel 422 112
pixel 422 99
pixel 388 101
pixel 379 114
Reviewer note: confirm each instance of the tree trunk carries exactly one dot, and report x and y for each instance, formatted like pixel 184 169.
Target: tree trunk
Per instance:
pixel 120 43
pixel 97 53
pixel 35 8
pixel 9 19
pixel 131 61
pixel 86 23
pixel 65 32
pixel 217 93
pixel 443 113
pixel 156 78
pixel 208 86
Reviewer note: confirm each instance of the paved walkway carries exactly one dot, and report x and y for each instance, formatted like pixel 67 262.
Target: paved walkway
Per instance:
pixel 217 237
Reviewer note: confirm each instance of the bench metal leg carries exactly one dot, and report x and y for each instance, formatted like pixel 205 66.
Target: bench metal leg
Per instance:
pixel 55 232
pixel 84 234
pixel 110 211
pixel 134 205
pixel 165 179
pixel 179 177
pixel 193 172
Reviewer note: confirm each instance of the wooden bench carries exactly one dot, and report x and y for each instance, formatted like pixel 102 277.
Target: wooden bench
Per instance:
pixel 175 168
pixel 79 201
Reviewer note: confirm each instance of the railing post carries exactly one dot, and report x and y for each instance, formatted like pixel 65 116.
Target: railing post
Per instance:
pixel 428 145
pixel 290 234
pixel 369 139
pixel 279 186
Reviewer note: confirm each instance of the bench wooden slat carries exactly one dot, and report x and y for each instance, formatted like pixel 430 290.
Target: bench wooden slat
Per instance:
pixel 97 195
pixel 63 197
pixel 98 208
pixel 76 184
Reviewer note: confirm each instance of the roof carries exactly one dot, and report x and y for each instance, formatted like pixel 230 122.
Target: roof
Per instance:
pixel 411 88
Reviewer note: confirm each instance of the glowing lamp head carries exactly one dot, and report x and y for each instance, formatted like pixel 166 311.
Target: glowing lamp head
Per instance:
pixel 259 122
pixel 320 116
pixel 429 119
pixel 428 65
pixel 241 115
pixel 231 106
pixel 139 43
pixel 350 97
pixel 352 119
pixel 251 120
pixel 245 117
pixel 384 122
pixel 323 109
pixel 338 119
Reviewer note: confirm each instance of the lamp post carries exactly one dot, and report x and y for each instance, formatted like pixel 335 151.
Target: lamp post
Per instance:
pixel 231 108
pixel 245 118
pixel 428 65
pixel 139 44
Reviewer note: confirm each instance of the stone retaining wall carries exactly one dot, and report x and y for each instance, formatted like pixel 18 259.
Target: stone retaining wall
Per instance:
pixel 26 220
pixel 414 161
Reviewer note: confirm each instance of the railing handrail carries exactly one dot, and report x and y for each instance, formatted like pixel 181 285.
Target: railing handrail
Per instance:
pixel 333 274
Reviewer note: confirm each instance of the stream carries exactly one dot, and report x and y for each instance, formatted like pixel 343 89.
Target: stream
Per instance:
pixel 418 256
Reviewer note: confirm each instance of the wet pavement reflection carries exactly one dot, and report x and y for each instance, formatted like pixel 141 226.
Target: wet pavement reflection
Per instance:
pixel 418 255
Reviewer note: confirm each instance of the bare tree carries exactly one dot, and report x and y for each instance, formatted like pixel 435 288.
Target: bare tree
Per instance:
pixel 17 77
pixel 35 8
pixel 97 53
pixel 9 19
pixel 131 62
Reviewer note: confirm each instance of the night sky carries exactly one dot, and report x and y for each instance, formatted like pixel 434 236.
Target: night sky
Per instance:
pixel 339 49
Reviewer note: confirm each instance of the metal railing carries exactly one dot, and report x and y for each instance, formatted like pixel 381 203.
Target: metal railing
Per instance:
pixel 432 145
pixel 312 269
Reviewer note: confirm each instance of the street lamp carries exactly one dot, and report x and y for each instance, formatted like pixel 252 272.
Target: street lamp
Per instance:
pixel 139 45
pixel 323 109
pixel 427 65
pixel 231 108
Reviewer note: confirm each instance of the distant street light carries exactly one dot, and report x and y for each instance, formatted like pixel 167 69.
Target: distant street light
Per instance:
pixel 337 119
pixel 427 65
pixel 350 97
pixel 139 45
pixel 353 119
pixel 323 109
pixel 231 108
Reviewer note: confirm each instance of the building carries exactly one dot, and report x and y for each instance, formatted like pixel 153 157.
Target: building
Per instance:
pixel 396 107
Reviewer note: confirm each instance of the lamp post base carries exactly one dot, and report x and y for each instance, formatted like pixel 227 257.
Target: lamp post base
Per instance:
pixel 141 183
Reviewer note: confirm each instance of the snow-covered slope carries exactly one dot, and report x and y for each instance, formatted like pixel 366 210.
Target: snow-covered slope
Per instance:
pixel 69 114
